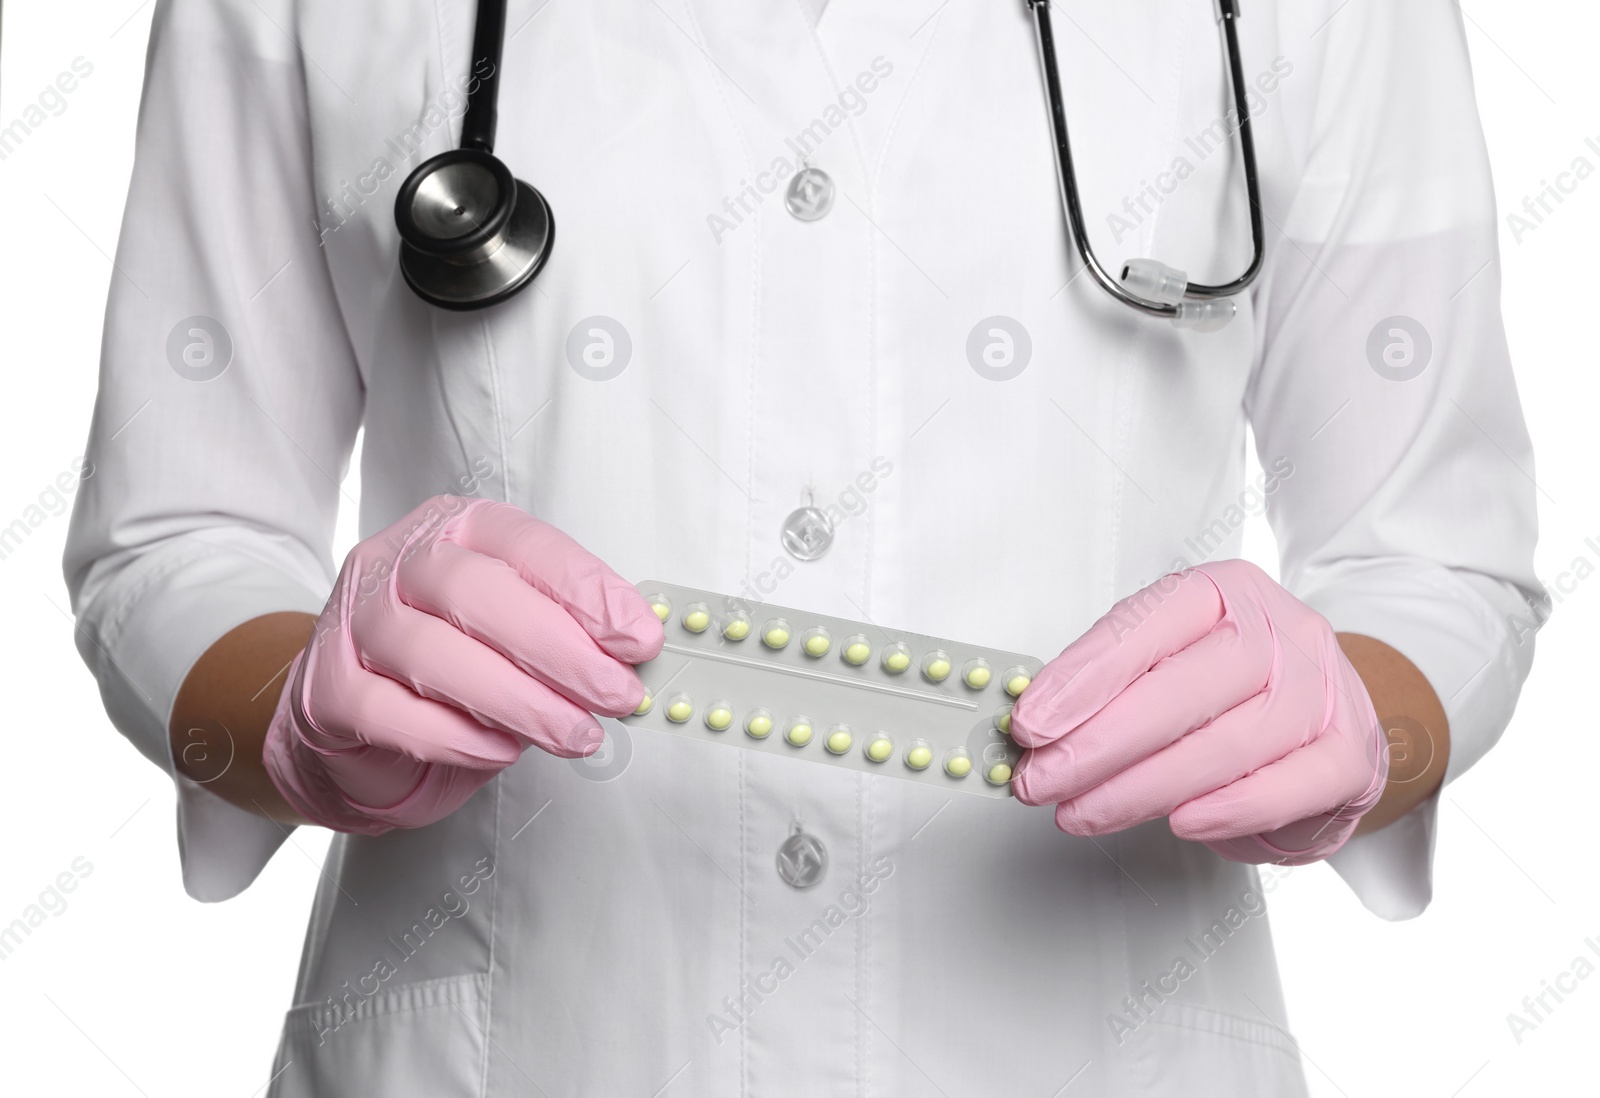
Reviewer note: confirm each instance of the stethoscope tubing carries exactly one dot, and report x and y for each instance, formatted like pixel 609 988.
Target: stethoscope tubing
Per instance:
pixel 483 102
pixel 437 275
pixel 1067 181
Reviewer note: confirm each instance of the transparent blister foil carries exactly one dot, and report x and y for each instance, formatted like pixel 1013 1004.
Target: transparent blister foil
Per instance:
pixel 833 692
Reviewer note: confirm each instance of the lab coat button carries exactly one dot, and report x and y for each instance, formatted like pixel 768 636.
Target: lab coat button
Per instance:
pixel 807 533
pixel 802 860
pixel 810 194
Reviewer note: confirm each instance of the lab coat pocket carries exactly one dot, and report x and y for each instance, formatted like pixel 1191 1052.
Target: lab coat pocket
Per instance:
pixel 421 1039
pixel 1185 1048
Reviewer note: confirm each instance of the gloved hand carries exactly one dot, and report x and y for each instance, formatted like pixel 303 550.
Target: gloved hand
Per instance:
pixel 453 640
pixel 1215 698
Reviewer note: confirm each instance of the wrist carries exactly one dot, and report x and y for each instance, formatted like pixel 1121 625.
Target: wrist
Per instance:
pixel 225 705
pixel 1415 727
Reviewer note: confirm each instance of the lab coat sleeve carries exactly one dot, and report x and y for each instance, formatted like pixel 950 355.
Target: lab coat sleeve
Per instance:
pixel 211 502
pixel 1408 511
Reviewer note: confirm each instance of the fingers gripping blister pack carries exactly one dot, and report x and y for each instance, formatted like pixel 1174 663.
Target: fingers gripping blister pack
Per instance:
pixel 831 691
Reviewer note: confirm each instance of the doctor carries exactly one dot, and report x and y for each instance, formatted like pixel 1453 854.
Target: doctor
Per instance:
pixel 810 332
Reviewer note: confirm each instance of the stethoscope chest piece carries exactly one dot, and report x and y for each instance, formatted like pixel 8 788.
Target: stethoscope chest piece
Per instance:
pixel 471 233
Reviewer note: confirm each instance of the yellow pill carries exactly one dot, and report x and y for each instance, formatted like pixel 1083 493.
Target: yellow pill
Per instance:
pixel 759 726
pixel 696 621
pixel 736 630
pixel 1005 722
pixel 679 711
pixel 897 661
pixel 1016 684
pixel 958 766
pixel 918 758
pixel 663 611
pixel 719 718
pixel 938 670
pixel 978 678
pixel 644 706
pixel 858 653
pixel 798 734
pixel 817 645
pixel 839 742
pixel 776 637
pixel 1000 773
pixel 880 749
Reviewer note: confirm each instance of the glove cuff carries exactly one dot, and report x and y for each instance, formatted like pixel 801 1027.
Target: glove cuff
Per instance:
pixel 297 771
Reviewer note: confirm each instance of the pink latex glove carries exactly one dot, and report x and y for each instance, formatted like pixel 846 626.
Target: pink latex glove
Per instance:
pixel 1215 698
pixel 453 640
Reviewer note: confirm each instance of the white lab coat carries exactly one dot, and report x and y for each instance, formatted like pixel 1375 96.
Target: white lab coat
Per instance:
pixel 632 935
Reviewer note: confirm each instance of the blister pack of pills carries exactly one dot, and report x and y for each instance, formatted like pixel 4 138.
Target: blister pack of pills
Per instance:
pixel 831 691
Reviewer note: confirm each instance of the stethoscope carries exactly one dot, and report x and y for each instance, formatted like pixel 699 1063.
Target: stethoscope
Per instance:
pixel 472 235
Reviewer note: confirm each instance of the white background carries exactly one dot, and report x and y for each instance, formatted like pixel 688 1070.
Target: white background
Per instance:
pixel 134 989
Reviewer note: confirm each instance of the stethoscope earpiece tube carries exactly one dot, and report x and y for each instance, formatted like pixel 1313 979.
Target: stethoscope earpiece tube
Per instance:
pixel 471 233
pixel 1147 285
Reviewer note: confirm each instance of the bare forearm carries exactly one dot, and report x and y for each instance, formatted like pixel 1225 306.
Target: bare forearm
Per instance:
pixel 220 718
pixel 1418 730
